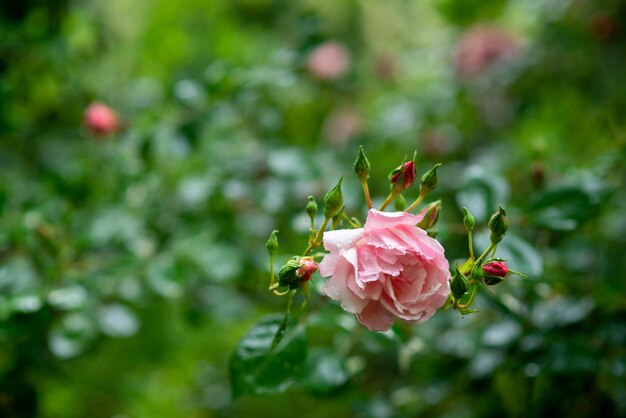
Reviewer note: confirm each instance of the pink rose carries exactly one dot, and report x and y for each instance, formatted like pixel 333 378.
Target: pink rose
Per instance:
pixel 101 119
pixel 388 269
pixel 329 61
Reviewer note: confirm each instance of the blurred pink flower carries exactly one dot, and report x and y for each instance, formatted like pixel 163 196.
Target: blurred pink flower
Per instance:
pixel 101 119
pixel 329 61
pixel 388 269
pixel 342 126
pixel 481 46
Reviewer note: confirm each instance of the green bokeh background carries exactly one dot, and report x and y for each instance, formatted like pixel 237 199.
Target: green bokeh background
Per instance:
pixel 131 265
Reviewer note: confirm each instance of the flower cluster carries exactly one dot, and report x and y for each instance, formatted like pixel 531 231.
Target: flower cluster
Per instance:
pixel 391 266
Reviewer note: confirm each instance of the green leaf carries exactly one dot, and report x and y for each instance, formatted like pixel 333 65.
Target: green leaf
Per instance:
pixel 257 369
pixel 324 372
pixel 563 208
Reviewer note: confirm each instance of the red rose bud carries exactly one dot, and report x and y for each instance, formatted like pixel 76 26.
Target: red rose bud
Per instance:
pixel 494 272
pixel 307 268
pixel 403 176
pixel 101 119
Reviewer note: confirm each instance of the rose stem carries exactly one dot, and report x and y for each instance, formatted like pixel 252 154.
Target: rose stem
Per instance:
pixel 271 271
pixel 417 202
pixel 389 199
pixel 491 247
pixel 471 245
pixel 366 192
pixel 318 236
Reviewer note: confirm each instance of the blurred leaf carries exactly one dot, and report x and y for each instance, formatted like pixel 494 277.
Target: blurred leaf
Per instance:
pixel 117 320
pixel 71 336
pixel 324 372
pixel 257 369
pixel 564 208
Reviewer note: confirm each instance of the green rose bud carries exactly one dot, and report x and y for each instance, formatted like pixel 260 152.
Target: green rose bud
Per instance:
pixel 459 284
pixel 333 201
pixel 468 220
pixel 311 207
pixel 288 274
pixel 431 215
pixel 429 180
pixel 498 224
pixel 272 242
pixel 362 165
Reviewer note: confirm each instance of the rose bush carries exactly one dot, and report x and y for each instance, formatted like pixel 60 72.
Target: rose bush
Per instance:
pixel 389 268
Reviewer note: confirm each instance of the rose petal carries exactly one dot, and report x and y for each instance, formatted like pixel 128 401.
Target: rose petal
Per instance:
pixel 375 317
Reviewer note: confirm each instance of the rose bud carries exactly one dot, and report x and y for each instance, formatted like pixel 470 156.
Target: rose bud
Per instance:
pixel 468 220
pixel 329 61
pixel 333 201
pixel 431 215
pixel 307 268
pixel 459 284
pixel 287 275
pixel 296 271
pixel 498 224
pixel 272 242
pixel 311 208
pixel 403 176
pixel 361 165
pixel 494 272
pixel 101 119
pixel 429 180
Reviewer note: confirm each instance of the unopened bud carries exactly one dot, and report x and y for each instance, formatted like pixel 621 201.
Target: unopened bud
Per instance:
pixel 429 180
pixel 288 274
pixel 458 287
pixel 311 207
pixel 362 165
pixel 403 176
pixel 498 224
pixel 333 201
pixel 295 271
pixel 272 242
pixel 307 267
pixel 399 203
pixel 100 119
pixel 431 215
pixel 494 272
pixel 468 220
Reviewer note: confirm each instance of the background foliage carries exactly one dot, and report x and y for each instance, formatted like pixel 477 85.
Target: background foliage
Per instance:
pixel 130 266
